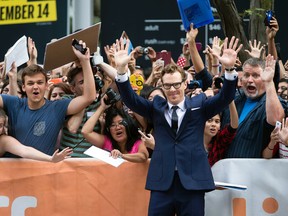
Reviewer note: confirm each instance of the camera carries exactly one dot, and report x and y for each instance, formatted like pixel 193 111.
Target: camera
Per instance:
pixel 195 84
pixel 79 47
pixel 113 97
pixel 218 81
pixel 98 83
pixel 268 16
pixel 143 50
pixel 95 59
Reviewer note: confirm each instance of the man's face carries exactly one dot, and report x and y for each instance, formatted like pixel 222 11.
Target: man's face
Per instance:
pixel 35 87
pixel 282 86
pixel 174 87
pixel 77 87
pixel 253 86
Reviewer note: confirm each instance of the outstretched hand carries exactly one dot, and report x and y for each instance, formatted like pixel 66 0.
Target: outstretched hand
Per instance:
pixel 121 55
pixel 191 34
pixel 32 50
pixel 268 73
pixel 59 156
pixel 229 56
pixel 256 49
pixel 273 29
pixel 283 133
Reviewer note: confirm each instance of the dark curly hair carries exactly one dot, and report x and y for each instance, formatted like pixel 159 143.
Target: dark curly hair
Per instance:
pixel 130 126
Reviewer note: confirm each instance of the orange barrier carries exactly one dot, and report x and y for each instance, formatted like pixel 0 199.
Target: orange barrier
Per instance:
pixel 73 187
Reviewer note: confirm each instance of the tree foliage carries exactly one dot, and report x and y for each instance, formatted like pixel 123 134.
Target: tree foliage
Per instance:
pixel 232 23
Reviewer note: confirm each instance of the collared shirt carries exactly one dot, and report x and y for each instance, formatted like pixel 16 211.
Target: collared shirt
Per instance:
pixel 180 113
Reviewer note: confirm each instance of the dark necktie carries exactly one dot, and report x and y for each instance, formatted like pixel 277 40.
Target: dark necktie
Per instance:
pixel 174 119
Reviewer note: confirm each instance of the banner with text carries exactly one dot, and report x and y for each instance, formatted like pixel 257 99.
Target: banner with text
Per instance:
pixel 27 11
pixel 266 193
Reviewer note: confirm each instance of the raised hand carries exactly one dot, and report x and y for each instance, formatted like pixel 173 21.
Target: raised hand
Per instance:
pixel 271 32
pixel 110 55
pixel 268 73
pixel 216 47
pixel 59 156
pixel 283 133
pixel 151 54
pixel 192 34
pixel 13 72
pixel 32 50
pixel 80 56
pixel 229 56
pixel 256 49
pixel 121 55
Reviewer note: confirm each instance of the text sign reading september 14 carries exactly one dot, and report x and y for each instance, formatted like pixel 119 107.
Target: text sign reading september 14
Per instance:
pixel 27 11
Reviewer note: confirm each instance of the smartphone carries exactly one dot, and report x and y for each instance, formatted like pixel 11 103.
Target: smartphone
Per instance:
pixel 55 80
pixel 165 56
pixel 268 16
pixel 278 124
pixel 78 46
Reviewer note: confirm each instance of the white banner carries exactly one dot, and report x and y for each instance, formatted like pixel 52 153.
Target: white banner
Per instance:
pixel 266 194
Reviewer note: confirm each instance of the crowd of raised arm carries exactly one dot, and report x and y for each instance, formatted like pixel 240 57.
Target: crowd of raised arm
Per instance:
pixel 91 112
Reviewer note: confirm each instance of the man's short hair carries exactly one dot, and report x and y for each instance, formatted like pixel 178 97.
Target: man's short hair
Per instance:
pixel 283 80
pixel 172 68
pixel 255 62
pixel 72 74
pixel 31 70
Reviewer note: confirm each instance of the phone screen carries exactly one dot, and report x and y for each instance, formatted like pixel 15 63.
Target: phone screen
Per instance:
pixel 165 56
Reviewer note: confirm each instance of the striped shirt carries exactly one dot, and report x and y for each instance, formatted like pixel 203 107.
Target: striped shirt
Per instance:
pixel 77 141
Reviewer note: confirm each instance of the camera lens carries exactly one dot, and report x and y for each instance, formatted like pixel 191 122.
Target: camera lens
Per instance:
pixel 113 97
pixel 146 50
pixel 217 82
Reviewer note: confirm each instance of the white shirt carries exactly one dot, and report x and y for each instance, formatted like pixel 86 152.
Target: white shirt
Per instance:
pixel 180 113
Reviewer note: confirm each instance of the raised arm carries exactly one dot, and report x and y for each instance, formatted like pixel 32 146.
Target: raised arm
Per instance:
pixel 271 34
pixel 32 50
pixel 274 109
pixel 268 152
pixel 195 56
pixel 88 132
pixel 89 90
pixel 255 49
pixel 233 115
pixel 12 74
pixel 75 121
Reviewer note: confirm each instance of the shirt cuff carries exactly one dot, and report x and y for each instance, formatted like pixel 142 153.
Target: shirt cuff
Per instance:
pixel 231 75
pixel 121 77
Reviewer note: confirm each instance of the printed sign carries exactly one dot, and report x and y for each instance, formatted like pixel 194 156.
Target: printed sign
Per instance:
pixel 27 11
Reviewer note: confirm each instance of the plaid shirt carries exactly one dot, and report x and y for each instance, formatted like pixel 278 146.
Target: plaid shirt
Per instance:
pixel 219 144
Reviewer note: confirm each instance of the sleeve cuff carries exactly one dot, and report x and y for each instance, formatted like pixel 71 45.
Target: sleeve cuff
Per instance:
pixel 231 75
pixel 121 77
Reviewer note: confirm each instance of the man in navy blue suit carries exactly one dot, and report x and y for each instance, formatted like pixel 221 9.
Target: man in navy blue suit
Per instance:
pixel 179 172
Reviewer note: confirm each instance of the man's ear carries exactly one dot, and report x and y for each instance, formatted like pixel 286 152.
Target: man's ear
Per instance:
pixel 72 88
pixel 23 88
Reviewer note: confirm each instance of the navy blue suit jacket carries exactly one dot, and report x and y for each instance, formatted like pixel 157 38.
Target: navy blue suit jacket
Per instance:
pixel 185 150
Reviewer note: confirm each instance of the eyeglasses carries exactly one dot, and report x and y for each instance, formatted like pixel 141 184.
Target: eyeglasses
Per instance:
pixel 115 125
pixel 176 85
